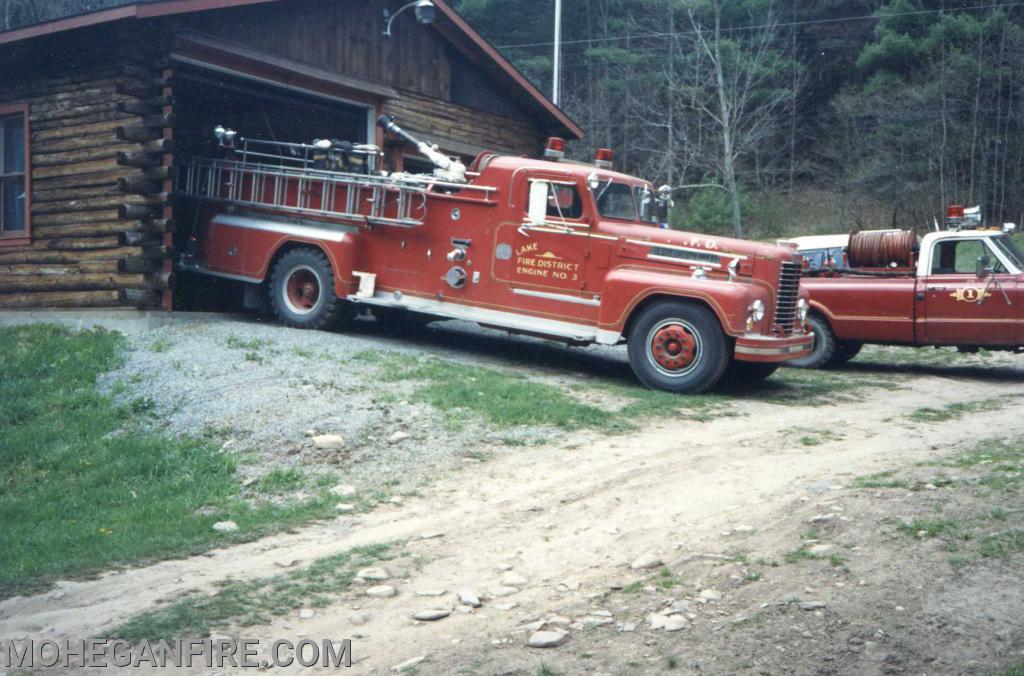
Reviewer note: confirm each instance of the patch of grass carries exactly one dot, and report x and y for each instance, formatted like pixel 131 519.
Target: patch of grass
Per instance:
pixel 503 399
pixel 799 554
pixel 239 343
pixel 161 344
pixel 1015 670
pixel 881 480
pixel 510 399
pixel 991 452
pixel 368 356
pixel 251 602
pixel 810 436
pixel 956 410
pixel 933 528
pixel 85 486
pixel 634 587
pixel 544 670
pixel 281 481
pixel 1002 545
pixel 838 561
pixel 643 403
pixel 667 579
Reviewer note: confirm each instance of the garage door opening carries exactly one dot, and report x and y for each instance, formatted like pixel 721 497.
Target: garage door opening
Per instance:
pixel 205 99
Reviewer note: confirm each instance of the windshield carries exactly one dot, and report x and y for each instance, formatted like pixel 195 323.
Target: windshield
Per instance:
pixel 1010 249
pixel 615 200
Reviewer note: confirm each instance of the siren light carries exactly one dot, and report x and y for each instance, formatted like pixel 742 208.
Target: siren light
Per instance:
pixel 603 158
pixel 555 149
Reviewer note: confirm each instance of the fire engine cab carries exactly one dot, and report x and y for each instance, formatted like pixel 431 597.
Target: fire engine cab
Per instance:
pixel 550 248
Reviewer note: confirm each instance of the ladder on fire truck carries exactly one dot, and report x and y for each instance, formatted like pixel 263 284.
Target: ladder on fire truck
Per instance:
pixel 311 180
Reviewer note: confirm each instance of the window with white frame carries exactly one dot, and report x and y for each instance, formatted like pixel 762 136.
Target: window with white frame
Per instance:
pixel 14 220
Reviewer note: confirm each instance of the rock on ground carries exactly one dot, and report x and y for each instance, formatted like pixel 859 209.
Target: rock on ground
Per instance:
pixel 646 561
pixel 547 638
pixel 328 441
pixel 382 591
pixel 470 598
pixel 373 573
pixel 409 664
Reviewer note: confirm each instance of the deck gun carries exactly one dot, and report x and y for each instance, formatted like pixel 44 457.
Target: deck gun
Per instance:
pixel 447 168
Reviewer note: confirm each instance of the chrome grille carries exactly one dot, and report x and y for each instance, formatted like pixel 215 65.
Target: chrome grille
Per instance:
pixel 789 293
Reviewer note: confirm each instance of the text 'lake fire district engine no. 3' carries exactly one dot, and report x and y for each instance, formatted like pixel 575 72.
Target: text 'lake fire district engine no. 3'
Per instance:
pixel 549 248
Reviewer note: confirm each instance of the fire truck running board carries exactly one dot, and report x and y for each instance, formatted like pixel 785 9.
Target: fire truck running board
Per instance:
pixel 507 320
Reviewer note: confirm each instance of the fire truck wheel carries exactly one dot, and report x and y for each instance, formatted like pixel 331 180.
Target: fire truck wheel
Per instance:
pixel 846 350
pixel 743 373
pixel 824 349
pixel 678 346
pixel 302 290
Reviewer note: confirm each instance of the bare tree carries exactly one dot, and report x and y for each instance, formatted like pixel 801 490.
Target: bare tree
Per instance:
pixel 741 70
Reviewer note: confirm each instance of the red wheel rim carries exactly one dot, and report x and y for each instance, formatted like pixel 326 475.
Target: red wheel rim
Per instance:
pixel 673 347
pixel 302 290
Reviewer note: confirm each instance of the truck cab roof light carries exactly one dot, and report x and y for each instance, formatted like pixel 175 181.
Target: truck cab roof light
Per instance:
pixel 603 158
pixel 555 149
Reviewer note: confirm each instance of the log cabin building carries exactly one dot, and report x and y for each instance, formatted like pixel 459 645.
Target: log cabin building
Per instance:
pixel 95 108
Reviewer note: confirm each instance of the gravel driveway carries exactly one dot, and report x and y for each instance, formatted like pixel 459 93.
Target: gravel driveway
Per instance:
pixel 266 392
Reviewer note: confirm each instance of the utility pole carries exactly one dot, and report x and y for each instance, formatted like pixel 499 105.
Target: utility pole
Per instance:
pixel 556 77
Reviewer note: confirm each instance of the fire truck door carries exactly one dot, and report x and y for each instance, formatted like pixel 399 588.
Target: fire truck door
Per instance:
pixel 549 255
pixel 962 308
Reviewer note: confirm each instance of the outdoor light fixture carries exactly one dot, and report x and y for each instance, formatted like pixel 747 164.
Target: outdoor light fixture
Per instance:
pixel 426 12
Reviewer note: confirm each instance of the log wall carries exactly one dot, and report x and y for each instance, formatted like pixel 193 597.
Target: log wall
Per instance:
pixel 97 207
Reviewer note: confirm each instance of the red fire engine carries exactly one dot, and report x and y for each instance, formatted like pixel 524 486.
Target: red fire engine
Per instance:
pixel 550 248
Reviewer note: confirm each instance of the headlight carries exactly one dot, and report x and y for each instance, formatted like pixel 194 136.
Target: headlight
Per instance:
pixel 756 310
pixel 802 308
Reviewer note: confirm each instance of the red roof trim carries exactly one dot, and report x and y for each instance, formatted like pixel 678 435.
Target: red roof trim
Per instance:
pixel 170 7
pixel 134 11
pixel 106 16
pixel 511 70
pixel 181 6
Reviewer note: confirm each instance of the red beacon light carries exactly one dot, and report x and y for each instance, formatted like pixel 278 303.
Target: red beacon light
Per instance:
pixel 555 149
pixel 955 211
pixel 603 158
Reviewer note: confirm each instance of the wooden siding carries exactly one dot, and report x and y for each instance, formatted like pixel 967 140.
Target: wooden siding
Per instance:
pixel 458 129
pixel 345 36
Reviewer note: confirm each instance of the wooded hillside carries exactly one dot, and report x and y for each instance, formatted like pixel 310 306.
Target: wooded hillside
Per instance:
pixel 826 114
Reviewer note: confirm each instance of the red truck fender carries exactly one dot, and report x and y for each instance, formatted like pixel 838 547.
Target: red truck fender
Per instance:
pixel 626 289
pixel 815 306
pixel 341 255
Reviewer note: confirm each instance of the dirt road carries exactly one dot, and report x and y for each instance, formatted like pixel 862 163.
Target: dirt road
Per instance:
pixel 552 531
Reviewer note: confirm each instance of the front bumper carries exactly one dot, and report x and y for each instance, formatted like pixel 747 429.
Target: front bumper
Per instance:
pixel 772 349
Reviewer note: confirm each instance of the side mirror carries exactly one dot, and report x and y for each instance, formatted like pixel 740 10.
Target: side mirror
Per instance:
pixel 982 269
pixel 662 210
pixel 664 204
pixel 537 213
